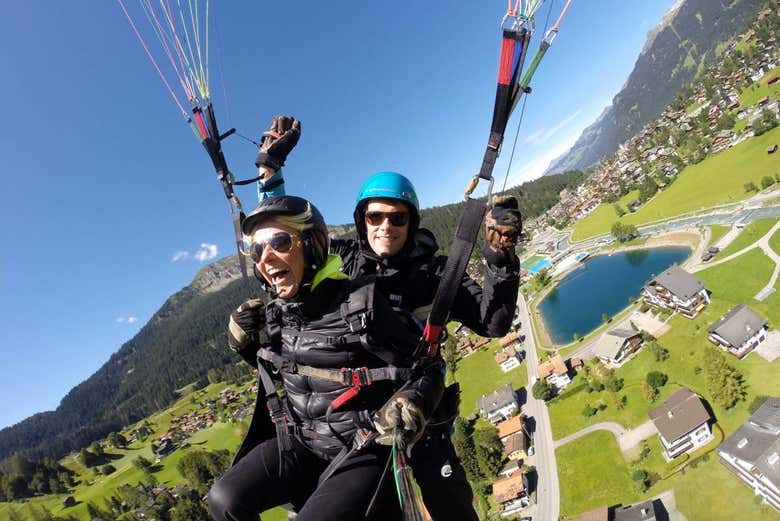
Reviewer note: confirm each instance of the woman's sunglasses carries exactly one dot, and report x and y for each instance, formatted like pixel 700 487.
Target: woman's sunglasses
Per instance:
pixel 280 242
pixel 396 218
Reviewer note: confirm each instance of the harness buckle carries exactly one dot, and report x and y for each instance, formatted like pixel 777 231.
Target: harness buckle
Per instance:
pixel 356 377
pixel 362 438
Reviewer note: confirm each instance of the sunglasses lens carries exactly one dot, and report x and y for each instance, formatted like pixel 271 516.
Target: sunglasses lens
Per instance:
pixel 396 218
pixel 399 219
pixel 279 242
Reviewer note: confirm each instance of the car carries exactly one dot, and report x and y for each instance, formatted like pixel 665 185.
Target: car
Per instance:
pixel 531 450
pixel 713 250
pixel 706 257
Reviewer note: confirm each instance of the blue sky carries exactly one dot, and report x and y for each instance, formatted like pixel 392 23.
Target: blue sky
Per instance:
pixel 103 183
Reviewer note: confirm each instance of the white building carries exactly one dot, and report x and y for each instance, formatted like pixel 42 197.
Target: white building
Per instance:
pixel 739 331
pixel 499 405
pixel 616 345
pixel 554 372
pixel 753 452
pixel 678 290
pixel 682 423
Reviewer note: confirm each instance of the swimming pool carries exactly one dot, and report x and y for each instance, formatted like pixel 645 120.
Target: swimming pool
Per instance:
pixel 538 266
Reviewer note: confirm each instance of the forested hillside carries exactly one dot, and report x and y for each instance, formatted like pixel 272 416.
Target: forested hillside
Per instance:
pixel 186 338
pixel 677 49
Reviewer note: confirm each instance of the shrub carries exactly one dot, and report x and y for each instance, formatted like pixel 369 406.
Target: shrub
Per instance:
pixel 767 181
pixel 542 390
pixel 588 411
pixel 656 379
pixel 107 469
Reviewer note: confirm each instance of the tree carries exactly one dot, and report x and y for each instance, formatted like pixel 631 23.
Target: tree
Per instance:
pixel 656 379
pixel 542 390
pixel 490 451
pixel 649 392
pixel 659 352
pixel 542 278
pixel 96 448
pixel 450 354
pixel 463 441
pixel 750 186
pixel 107 469
pixel 725 384
pixel 116 440
pixel 618 210
pixel 624 232
pixel 588 410
pixel 86 457
pixel 142 463
pixel 201 468
pixel 189 510
pixel 726 121
pixel 767 181
pixel 765 123
pixel 612 382
pixel 647 189
pixel 605 318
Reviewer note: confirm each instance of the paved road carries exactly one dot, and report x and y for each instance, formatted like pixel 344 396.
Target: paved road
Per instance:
pixel 626 438
pixel 547 492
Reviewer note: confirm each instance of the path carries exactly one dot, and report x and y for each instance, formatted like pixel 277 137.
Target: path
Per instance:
pixel 627 439
pixel 547 491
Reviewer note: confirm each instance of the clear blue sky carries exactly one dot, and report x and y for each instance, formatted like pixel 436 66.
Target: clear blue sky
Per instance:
pixel 103 182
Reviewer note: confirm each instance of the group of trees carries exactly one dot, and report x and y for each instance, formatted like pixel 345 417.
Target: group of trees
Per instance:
pixel 724 382
pixel 481 454
pixel 21 477
pixel 624 232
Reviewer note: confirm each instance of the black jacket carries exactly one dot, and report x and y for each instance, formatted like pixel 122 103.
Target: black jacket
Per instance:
pixel 410 279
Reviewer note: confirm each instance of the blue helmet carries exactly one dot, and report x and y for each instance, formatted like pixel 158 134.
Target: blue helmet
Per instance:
pixel 388 185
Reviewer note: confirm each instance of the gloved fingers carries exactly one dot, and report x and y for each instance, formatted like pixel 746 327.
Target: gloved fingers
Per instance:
pixel 251 304
pixel 412 418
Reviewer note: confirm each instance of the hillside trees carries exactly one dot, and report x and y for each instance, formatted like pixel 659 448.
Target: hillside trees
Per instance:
pixel 463 441
pixel 725 384
pixel 489 450
pixel 201 468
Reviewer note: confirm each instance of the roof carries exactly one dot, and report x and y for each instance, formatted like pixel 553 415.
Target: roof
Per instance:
pixel 510 426
pixel 640 512
pixel 610 342
pixel 501 357
pixel 738 325
pixel 599 514
pixel 679 282
pixel 499 398
pixel 756 440
pixel 509 488
pixel 511 467
pixel 553 365
pixel 508 339
pixel 682 412
pixel 516 442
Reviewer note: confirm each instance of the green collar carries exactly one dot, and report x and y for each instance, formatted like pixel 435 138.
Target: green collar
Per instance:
pixel 331 270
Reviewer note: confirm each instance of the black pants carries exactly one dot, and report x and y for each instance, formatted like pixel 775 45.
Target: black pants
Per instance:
pixel 254 485
pixel 445 490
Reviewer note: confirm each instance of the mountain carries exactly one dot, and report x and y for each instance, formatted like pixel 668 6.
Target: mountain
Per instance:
pixel 676 50
pixel 185 338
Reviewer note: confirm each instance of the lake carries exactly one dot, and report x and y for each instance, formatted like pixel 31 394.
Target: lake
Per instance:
pixel 603 284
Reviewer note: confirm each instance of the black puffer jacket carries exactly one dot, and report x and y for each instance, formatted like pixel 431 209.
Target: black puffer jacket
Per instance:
pixel 410 279
pixel 343 324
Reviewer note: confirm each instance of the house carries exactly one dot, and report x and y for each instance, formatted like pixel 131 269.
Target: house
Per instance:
pixel 678 290
pixel 615 346
pixel 511 493
pixel 598 514
pixel 752 453
pixel 507 360
pixel 682 423
pixel 739 331
pixel 510 468
pixel 576 364
pixel 555 372
pixel 508 427
pixel 640 512
pixel 499 405
pixel 516 446
pixel 509 339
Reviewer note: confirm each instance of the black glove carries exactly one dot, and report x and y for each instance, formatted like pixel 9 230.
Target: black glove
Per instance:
pixel 246 330
pixel 278 142
pixel 404 412
pixel 502 229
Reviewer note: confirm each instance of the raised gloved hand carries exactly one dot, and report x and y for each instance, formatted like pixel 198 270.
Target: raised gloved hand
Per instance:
pixel 502 229
pixel 403 412
pixel 246 329
pixel 278 142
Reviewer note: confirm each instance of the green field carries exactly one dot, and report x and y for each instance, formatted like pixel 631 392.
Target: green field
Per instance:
pixel 592 473
pixel 533 259
pixel 760 89
pixel 774 242
pixel 750 234
pixel 601 219
pixel 96 488
pixel 716 232
pixel 478 374
pixel 719 179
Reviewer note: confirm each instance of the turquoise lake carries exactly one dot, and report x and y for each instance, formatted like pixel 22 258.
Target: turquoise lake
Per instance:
pixel 603 284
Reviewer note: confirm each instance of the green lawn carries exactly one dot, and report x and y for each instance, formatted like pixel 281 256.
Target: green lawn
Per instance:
pixel 533 259
pixel 774 242
pixel 478 374
pixel 719 179
pixel 592 473
pixel 716 232
pixel 750 234
pixel 601 219
pixel 760 89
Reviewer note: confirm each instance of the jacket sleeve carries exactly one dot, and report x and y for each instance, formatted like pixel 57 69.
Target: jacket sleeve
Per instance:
pixel 342 247
pixel 487 310
pixel 429 385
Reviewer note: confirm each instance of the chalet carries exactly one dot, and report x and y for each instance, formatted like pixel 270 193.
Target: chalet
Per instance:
pixel 678 290
pixel 722 140
pixel 739 331
pixel 640 512
pixel 508 427
pixel 165 447
pixel 499 405
pixel 516 446
pixel 575 363
pixel 507 360
pixel 512 467
pixel 752 453
pixel 682 423
pixel 510 339
pixel 555 372
pixel 616 345
pixel 598 514
pixel 511 493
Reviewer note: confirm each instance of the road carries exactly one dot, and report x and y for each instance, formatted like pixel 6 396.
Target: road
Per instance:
pixel 626 438
pixel 547 491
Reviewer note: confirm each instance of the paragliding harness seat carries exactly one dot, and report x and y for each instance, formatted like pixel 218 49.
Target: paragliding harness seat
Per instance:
pixel 356 314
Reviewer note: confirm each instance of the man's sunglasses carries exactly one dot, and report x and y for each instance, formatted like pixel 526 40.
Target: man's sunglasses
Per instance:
pixel 396 218
pixel 280 242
